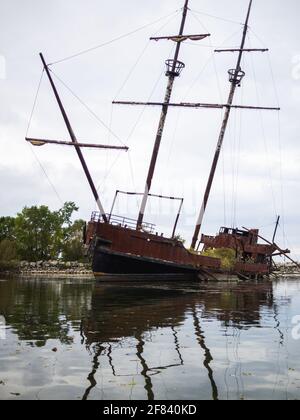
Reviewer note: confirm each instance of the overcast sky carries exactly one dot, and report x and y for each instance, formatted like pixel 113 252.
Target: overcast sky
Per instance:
pixel 258 174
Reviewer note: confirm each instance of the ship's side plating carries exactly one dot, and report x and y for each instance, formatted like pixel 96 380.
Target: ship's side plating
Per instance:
pixel 117 249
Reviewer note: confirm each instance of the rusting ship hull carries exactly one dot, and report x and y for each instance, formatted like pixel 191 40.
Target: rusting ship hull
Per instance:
pixel 109 265
pixel 119 249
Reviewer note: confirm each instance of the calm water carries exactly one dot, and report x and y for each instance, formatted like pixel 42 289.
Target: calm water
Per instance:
pixel 72 339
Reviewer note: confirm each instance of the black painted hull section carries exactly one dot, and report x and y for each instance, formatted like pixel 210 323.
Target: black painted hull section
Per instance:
pixel 106 262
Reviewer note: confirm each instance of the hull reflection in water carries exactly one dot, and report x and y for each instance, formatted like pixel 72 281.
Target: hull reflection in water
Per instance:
pixel 179 341
pixel 161 308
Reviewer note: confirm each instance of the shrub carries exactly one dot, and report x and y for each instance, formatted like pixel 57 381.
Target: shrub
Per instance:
pixel 8 250
pixel 226 255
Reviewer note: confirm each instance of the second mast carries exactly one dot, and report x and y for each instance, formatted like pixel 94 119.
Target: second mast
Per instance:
pixel 174 69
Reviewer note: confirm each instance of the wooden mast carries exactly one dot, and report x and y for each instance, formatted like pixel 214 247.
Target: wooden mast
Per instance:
pixel 276 228
pixel 74 140
pixel 234 84
pixel 162 121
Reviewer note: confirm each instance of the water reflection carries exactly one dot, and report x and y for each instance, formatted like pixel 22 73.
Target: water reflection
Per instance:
pixel 212 341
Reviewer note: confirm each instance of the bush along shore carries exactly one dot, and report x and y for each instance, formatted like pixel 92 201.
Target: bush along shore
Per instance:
pixel 47 268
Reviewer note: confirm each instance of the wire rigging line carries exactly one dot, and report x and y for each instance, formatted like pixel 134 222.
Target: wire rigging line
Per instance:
pixel 145 107
pixel 208 62
pixel 280 151
pixel 280 148
pixel 237 169
pixel 102 184
pixel 216 17
pixel 45 173
pixel 212 57
pixel 264 135
pixel 88 108
pixel 179 113
pixel 113 40
pixel 35 102
pixel 142 54
pixel 279 134
pixel 31 147
pixel 257 37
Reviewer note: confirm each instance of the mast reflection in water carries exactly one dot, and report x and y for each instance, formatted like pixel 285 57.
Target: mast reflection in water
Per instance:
pixel 72 339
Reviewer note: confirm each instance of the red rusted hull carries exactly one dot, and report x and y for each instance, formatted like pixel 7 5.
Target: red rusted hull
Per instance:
pixel 253 259
pixel 117 249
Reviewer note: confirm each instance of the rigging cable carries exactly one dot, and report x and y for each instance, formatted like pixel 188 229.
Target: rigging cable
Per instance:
pixel 142 54
pixel 280 150
pixel 216 17
pixel 142 111
pixel 279 137
pixel 239 140
pixel 88 108
pixel 113 40
pixel 221 117
pixel 264 134
pixel 31 147
pixel 130 135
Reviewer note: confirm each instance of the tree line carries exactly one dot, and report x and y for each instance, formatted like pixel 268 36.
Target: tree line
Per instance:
pixel 39 234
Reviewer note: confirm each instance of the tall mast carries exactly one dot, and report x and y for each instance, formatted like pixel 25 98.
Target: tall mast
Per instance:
pixel 74 140
pixel 236 76
pixel 171 75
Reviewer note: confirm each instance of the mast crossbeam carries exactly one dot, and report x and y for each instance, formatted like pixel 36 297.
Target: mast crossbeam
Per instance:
pixel 42 142
pixel 243 50
pixel 180 38
pixel 196 105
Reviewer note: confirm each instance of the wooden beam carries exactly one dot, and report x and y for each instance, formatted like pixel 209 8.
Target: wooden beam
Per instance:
pixel 195 105
pixel 42 142
pixel 244 50
pixel 180 38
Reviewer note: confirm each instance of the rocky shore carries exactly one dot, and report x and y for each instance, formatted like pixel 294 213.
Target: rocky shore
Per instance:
pixel 288 269
pixel 60 268
pixel 51 268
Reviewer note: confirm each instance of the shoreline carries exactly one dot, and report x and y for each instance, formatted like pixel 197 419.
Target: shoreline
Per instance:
pixel 48 269
pixel 74 269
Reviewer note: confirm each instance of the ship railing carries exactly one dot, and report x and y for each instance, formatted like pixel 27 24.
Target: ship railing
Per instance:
pixel 121 221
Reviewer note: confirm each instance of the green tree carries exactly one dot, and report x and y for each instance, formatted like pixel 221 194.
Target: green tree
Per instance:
pixel 8 248
pixel 40 233
pixel 7 228
pixel 73 249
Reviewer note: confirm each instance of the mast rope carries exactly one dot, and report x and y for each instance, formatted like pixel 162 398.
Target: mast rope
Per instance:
pixel 88 108
pixel 45 173
pixel 142 54
pixel 35 101
pixel 282 225
pixel 264 135
pixel 107 172
pixel 221 99
pixel 212 58
pixel 102 183
pixel 237 151
pixel 31 147
pixel 216 17
pixel 118 38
